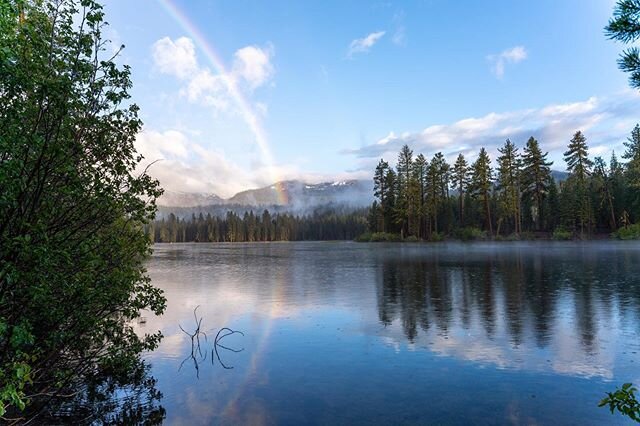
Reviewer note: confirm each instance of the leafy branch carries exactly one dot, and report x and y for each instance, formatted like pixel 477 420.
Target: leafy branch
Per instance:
pixel 623 400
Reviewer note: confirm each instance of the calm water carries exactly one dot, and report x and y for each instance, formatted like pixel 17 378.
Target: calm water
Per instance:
pixel 347 333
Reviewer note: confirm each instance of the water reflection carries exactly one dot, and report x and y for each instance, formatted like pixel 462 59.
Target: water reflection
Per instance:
pixel 356 333
pixel 511 306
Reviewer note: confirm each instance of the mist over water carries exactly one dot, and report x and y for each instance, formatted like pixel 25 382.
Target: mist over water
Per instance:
pixel 346 333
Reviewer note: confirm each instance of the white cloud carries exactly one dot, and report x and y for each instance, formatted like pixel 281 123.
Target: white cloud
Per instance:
pixel 509 56
pixel 187 166
pixel 552 125
pixel 209 89
pixel 177 58
pixel 362 45
pixel 253 65
pixel 162 145
pixel 252 68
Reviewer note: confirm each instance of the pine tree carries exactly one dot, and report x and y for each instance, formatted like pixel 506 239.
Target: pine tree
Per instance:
pixel 536 178
pixel 481 184
pixel 618 186
pixel 413 206
pixel 391 200
pixel 577 157
pixel 552 203
pixel 405 161
pixel 460 178
pixel 437 174
pixel 579 167
pixel 602 185
pixel 509 182
pixel 381 191
pixel 373 218
pixel 420 170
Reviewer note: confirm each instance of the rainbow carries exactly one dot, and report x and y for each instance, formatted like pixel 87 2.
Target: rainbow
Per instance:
pixel 249 116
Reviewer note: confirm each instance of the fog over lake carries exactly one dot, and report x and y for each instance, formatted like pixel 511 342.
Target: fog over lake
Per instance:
pixel 348 333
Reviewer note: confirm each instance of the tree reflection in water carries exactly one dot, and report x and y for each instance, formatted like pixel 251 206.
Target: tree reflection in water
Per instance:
pixel 523 292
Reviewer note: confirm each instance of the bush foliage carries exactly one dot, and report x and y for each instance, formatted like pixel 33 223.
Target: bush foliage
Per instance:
pixel 72 208
pixel 631 232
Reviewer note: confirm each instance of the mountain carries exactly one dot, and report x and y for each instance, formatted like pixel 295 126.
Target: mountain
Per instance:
pixel 286 196
pixel 296 194
pixel 188 199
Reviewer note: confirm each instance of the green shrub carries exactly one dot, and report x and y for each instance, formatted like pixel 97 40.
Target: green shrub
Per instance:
pixel 411 239
pixel 364 238
pixel 562 234
pixel 470 233
pixel 380 237
pixel 631 232
pixel 437 237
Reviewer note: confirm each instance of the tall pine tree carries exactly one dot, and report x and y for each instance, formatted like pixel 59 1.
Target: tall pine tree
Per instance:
pixel 536 179
pixel 460 178
pixel 381 192
pixel 482 183
pixel 509 182
pixel 403 168
pixel 579 167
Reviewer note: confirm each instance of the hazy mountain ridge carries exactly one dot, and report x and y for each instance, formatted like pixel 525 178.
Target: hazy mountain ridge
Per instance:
pixel 286 196
pixel 188 199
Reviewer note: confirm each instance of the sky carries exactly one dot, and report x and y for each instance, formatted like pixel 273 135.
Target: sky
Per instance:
pixel 241 94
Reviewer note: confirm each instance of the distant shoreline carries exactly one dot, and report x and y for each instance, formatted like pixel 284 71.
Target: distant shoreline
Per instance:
pixel 473 234
pixel 596 239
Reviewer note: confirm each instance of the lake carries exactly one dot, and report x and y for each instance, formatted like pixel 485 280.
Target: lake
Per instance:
pixel 349 333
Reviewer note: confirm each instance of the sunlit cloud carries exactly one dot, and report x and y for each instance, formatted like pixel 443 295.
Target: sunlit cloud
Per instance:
pixel 252 68
pixel 176 58
pixel 552 125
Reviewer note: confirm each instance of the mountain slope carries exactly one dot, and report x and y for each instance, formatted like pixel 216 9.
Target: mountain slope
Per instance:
pixel 288 195
pixel 296 194
pixel 188 199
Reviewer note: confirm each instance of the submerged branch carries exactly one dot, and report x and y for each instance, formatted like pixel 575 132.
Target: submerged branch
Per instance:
pixel 196 354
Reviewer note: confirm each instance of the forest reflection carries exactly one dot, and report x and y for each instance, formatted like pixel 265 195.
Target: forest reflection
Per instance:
pixel 515 296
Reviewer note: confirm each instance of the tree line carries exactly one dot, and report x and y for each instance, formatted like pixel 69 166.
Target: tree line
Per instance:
pixel 427 199
pixel 252 227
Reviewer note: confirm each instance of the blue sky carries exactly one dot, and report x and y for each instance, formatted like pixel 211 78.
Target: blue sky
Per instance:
pixel 328 88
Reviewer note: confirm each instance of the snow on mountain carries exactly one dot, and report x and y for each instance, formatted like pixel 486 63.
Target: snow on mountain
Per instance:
pixel 291 196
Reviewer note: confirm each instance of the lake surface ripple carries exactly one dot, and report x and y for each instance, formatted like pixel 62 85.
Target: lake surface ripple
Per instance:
pixel 348 333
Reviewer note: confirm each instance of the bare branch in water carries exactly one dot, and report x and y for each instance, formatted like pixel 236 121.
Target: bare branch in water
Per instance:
pixel 217 344
pixel 196 348
pixel 195 343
